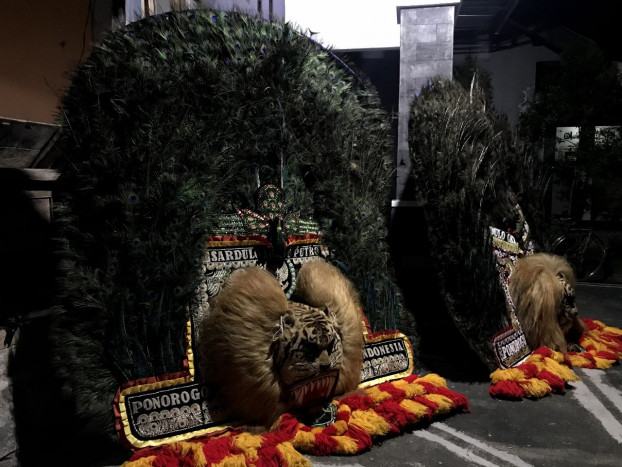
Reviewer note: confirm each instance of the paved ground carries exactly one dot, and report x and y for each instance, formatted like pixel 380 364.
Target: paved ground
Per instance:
pixel 581 428
pixel 8 444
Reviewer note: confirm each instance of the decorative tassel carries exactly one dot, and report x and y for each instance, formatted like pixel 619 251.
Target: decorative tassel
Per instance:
pixel 144 461
pixel 249 445
pixel 291 457
pixel 382 410
pixel 602 344
pixel 508 389
pixel 542 373
pixel 546 371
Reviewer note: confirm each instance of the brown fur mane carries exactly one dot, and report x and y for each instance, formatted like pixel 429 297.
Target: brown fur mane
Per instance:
pixel 237 334
pixel 537 289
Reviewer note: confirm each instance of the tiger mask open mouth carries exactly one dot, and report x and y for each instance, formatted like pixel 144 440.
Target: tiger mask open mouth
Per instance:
pixel 307 352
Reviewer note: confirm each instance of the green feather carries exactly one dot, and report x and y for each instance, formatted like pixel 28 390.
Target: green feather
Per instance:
pixel 164 127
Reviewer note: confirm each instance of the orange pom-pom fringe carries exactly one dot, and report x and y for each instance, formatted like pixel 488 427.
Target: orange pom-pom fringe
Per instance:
pixel 546 372
pixel 378 411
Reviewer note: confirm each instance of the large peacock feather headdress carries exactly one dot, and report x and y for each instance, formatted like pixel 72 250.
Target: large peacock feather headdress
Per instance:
pixel 168 124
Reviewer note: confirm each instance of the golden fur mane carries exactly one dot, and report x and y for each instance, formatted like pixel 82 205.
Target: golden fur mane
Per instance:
pixel 542 289
pixel 237 334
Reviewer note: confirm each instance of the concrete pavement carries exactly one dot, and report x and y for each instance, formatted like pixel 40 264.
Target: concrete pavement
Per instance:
pixel 581 428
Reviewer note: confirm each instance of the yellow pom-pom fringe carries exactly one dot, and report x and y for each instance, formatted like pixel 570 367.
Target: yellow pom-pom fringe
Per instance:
pixel 361 418
pixel 236 460
pixel 248 444
pixel 546 371
pixel 291 457
pixel 144 461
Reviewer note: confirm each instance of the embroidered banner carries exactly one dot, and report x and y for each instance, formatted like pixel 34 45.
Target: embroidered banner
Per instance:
pixel 384 358
pixel 167 411
pixel 176 407
pixel 225 254
pixel 510 345
pixel 161 410
pixel 387 356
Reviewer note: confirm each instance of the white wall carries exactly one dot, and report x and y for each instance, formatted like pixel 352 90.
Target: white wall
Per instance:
pixel 245 6
pixel 513 74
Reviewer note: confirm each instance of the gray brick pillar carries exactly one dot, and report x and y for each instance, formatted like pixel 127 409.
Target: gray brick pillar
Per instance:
pixel 426 50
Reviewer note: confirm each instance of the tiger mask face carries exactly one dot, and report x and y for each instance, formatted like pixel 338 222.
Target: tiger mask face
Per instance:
pixel 567 311
pixel 255 343
pixel 306 342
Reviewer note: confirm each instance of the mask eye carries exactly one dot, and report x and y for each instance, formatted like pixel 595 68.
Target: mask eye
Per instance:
pixel 311 349
pixel 331 346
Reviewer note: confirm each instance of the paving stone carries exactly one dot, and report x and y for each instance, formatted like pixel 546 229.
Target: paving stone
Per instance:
pixel 8 444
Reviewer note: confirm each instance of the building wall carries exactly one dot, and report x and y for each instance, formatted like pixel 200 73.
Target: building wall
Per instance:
pixel 41 42
pixel 513 74
pixel 251 6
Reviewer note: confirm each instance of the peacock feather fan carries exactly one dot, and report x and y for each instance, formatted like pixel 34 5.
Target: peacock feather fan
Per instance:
pixel 166 125
pixel 470 173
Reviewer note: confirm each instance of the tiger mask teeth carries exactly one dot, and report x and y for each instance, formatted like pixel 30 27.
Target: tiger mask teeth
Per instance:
pixel 313 390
